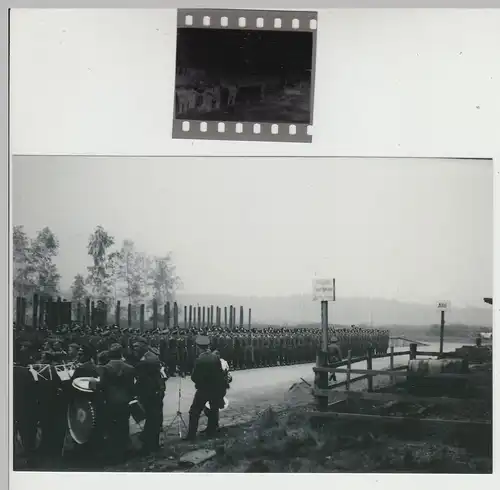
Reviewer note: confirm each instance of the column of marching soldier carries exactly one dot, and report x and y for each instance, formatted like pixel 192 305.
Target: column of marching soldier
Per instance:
pixel 241 347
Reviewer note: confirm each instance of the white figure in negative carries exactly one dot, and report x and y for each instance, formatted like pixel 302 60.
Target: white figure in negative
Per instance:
pixel 232 89
pixel 233 92
pixel 211 99
pixel 186 99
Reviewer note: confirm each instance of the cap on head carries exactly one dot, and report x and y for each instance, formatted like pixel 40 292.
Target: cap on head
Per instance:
pixel 202 341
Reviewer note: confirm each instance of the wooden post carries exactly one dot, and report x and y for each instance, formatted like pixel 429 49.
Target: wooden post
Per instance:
pixel 185 317
pixel 190 316
pixel 129 315
pixel 79 312
pixel 23 311
pixel 92 313
pixel 212 315
pixel 87 310
pixel 50 313
pixel 167 313
pixel 18 312
pixel 59 311
pixel 203 324
pixel 324 326
pixel 391 364
pixel 155 314
pixel 241 316
pixel 321 380
pixel 369 365
pixel 41 312
pixel 348 374
pixel 234 316
pixel 249 318
pixel 225 316
pixel 413 351
pixel 199 317
pixel 441 333
pixel 231 316
pixel 176 315
pixel 118 313
pixel 66 313
pixel 34 316
pixel 141 318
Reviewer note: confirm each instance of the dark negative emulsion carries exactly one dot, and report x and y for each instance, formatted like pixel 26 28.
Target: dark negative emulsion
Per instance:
pixel 245 75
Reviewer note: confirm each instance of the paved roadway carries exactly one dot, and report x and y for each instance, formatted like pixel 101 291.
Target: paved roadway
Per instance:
pixel 255 389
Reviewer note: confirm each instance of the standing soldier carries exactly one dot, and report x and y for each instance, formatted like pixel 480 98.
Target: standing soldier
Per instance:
pixel 237 350
pixel 150 389
pixel 117 383
pixel 265 348
pixel 248 350
pixel 210 383
pixel 172 361
pixel 182 353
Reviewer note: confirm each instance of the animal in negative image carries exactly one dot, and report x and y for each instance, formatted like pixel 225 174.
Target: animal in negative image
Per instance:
pixel 248 76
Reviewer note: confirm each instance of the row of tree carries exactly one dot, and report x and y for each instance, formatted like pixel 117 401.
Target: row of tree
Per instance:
pixel 122 273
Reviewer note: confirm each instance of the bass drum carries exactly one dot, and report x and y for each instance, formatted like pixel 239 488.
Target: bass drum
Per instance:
pixel 83 410
pixel 82 419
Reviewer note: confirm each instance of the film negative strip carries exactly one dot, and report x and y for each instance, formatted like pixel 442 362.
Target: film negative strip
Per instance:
pixel 245 75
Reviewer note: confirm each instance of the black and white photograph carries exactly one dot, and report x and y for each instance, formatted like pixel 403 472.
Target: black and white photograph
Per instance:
pixel 211 315
pixel 259 70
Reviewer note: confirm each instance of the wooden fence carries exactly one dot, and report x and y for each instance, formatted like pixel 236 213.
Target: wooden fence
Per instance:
pixel 323 391
pixel 50 313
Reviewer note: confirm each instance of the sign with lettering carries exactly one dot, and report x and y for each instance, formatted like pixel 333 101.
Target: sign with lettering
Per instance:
pixel 323 289
pixel 443 305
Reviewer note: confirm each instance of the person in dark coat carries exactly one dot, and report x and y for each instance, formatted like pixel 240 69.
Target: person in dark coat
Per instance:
pixel 210 384
pixel 334 354
pixel 52 407
pixel 117 385
pixel 25 399
pixel 86 366
pixel 150 390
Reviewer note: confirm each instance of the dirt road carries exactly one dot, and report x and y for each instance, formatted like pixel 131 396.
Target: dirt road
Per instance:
pixel 253 390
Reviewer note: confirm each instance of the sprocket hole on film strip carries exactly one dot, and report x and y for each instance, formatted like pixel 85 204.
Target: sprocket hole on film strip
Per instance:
pixel 245 75
pixel 242 22
pixel 238 128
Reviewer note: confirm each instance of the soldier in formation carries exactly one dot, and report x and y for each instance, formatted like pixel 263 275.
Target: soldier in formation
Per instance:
pixel 243 348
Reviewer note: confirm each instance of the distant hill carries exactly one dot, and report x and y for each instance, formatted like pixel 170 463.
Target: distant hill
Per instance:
pixel 301 309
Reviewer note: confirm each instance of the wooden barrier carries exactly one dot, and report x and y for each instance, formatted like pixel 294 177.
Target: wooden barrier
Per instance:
pixel 377 372
pixel 324 394
pixel 400 398
pixel 479 424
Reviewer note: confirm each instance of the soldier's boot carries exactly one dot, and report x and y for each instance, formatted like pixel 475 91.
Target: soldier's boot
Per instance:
pixel 192 428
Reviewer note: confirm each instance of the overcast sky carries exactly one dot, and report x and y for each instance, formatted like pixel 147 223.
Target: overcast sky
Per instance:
pixel 417 230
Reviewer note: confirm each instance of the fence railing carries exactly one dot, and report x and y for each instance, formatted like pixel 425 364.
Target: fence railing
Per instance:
pixel 323 391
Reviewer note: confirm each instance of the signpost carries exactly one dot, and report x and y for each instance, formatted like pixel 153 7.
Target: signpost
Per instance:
pixel 443 306
pixel 324 291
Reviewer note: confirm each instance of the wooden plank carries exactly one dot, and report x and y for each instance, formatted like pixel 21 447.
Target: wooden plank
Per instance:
pixel 197 457
pixel 360 378
pixel 348 370
pixel 393 419
pixel 400 398
pixel 391 363
pixel 388 354
pixel 377 372
pixel 369 366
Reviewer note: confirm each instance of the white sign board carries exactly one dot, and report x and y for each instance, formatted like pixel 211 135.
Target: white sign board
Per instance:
pixel 323 289
pixel 443 305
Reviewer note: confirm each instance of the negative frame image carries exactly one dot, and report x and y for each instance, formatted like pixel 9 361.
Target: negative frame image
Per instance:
pixel 245 75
